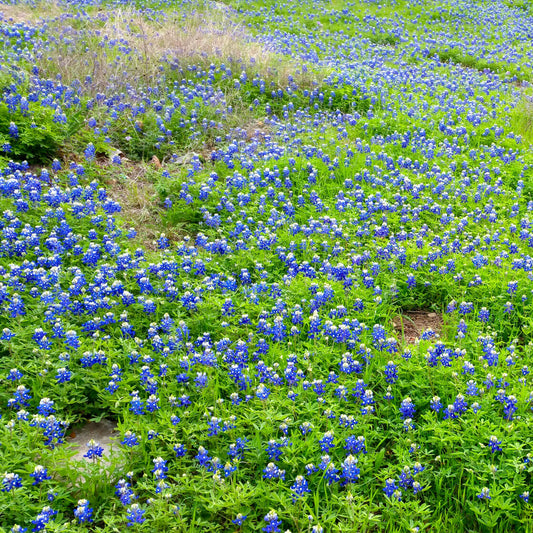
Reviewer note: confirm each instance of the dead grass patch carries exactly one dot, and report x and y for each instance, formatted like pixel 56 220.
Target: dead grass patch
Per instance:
pixel 29 13
pixel 411 324
pixel 174 41
pixel 257 129
pixel 131 187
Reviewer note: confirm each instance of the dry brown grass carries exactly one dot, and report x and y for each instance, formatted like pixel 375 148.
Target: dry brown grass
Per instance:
pixel 30 13
pixel 176 40
pixel 132 188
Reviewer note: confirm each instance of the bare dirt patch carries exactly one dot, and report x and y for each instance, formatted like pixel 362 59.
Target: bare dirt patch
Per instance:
pixel 410 325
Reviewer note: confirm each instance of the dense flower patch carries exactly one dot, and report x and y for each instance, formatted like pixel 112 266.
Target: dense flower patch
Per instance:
pixel 253 368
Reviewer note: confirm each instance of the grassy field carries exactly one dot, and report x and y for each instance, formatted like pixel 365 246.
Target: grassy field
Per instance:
pixel 278 254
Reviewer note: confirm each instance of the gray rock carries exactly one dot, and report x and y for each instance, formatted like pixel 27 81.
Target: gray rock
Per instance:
pixel 102 432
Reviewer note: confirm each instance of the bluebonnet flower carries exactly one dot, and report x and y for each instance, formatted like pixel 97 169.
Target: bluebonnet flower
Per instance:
pixel 272 522
pixel 237 449
pixel 306 428
pixel 512 287
pixel 484 494
pixel 214 426
pixel 229 469
pixel 11 482
pixel 13 130
pixel 310 469
pixel 14 375
pixel 355 444
pixel 202 456
pixel 39 474
pixel 124 492
pixel 83 512
pixel 136 404
pixel 262 392
pixel 130 439
pixel 510 407
pixel 350 470
pixel 390 487
pixel 152 404
pixel 406 478
pixel 90 152
pixel 468 368
pixel 7 335
pixel 93 450
pixel 391 372
pixel 46 407
pixel 200 380
pixel 407 408
pixel 466 308
pixel 239 519
pixel 63 375
pixel 472 388
pixel 20 398
pixel 326 442
pixel 494 444
pixel 160 468
pixel 300 487
pixel 408 424
pixel 274 449
pixel 43 518
pixel 272 471
pixel 435 404
pixel 135 514
pixel 330 471
pixel 367 402
pixel 460 405
pixel 162 242
pixel 388 394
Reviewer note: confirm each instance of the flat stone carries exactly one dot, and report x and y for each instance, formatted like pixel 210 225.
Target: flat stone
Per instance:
pixel 102 432
pixel 185 159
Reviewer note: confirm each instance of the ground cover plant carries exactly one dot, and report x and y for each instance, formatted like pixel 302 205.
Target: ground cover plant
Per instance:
pixel 281 251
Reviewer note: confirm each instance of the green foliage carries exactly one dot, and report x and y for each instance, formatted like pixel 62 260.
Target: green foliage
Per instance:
pixel 455 55
pixel 39 136
pixel 384 39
